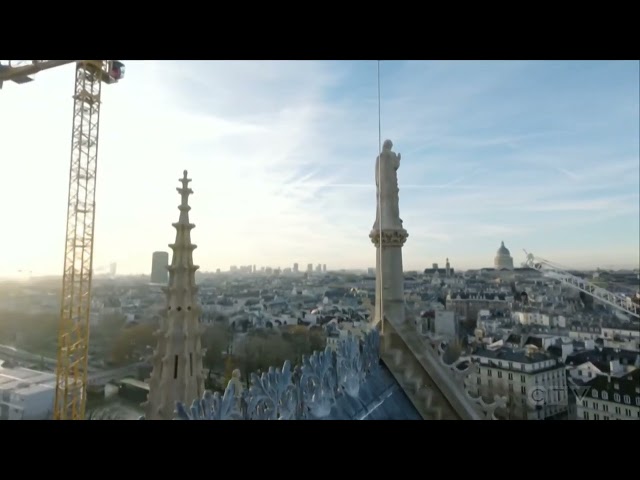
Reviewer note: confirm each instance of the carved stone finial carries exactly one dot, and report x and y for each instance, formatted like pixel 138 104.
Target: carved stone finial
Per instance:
pixel 185 180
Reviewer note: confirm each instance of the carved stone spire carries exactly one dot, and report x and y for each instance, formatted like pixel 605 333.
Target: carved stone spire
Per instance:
pixel 177 374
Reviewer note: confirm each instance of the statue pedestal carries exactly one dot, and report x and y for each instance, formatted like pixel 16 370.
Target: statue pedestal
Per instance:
pixel 390 237
pixel 389 275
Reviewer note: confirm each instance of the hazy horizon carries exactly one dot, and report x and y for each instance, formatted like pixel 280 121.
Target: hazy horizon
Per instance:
pixel 543 155
pixel 302 271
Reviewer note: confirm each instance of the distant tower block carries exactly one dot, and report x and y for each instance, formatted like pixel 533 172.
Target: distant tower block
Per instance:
pixel 295 268
pixel 159 264
pixel 388 235
pixel 324 267
pixel 177 374
pixel 448 268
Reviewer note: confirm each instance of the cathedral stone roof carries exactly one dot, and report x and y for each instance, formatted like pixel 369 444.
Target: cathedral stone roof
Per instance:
pixel 380 398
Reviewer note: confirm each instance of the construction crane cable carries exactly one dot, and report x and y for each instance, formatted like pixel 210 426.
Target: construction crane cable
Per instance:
pixel 380 300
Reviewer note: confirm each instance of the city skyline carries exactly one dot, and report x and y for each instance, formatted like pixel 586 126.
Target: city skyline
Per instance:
pixel 540 155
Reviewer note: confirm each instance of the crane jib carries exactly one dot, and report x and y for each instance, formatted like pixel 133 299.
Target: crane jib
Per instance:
pixel 620 302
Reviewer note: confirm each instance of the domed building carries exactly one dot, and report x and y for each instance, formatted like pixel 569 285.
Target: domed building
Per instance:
pixel 503 259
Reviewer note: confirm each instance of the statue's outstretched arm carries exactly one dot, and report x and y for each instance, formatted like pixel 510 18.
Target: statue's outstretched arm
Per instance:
pixel 396 162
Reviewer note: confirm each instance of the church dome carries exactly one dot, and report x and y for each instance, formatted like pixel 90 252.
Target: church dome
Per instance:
pixel 503 251
pixel 503 260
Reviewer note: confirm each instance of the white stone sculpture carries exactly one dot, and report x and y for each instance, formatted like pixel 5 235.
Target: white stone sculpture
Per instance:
pixel 388 235
pixel 387 164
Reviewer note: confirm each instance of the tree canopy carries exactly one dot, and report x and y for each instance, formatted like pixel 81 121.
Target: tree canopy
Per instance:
pixel 131 340
pixel 259 349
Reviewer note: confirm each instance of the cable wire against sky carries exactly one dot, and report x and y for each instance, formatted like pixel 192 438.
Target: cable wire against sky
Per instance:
pixel 379 207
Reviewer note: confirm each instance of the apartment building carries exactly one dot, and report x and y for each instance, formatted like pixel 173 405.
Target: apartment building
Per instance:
pixel 533 381
pixel 607 397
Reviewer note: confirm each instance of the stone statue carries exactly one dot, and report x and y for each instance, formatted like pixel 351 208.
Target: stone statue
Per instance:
pixel 387 165
pixel 237 383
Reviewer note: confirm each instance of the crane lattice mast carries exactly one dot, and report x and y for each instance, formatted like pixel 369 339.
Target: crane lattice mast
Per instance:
pixel 73 335
pixel 73 332
pixel 549 269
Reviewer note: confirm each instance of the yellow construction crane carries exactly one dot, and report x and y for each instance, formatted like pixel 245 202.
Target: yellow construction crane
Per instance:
pixel 73 334
pixel 621 303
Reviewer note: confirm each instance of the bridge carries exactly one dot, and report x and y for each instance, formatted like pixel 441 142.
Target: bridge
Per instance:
pixel 96 377
pixel 101 378
pixel 15 354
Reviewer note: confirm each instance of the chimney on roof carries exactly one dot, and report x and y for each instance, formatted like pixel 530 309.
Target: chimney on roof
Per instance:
pixel 614 367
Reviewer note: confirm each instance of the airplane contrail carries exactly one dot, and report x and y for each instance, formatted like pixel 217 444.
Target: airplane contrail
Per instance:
pixel 452 184
pixel 403 186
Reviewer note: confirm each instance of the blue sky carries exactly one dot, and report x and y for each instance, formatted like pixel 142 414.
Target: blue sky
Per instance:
pixel 542 155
